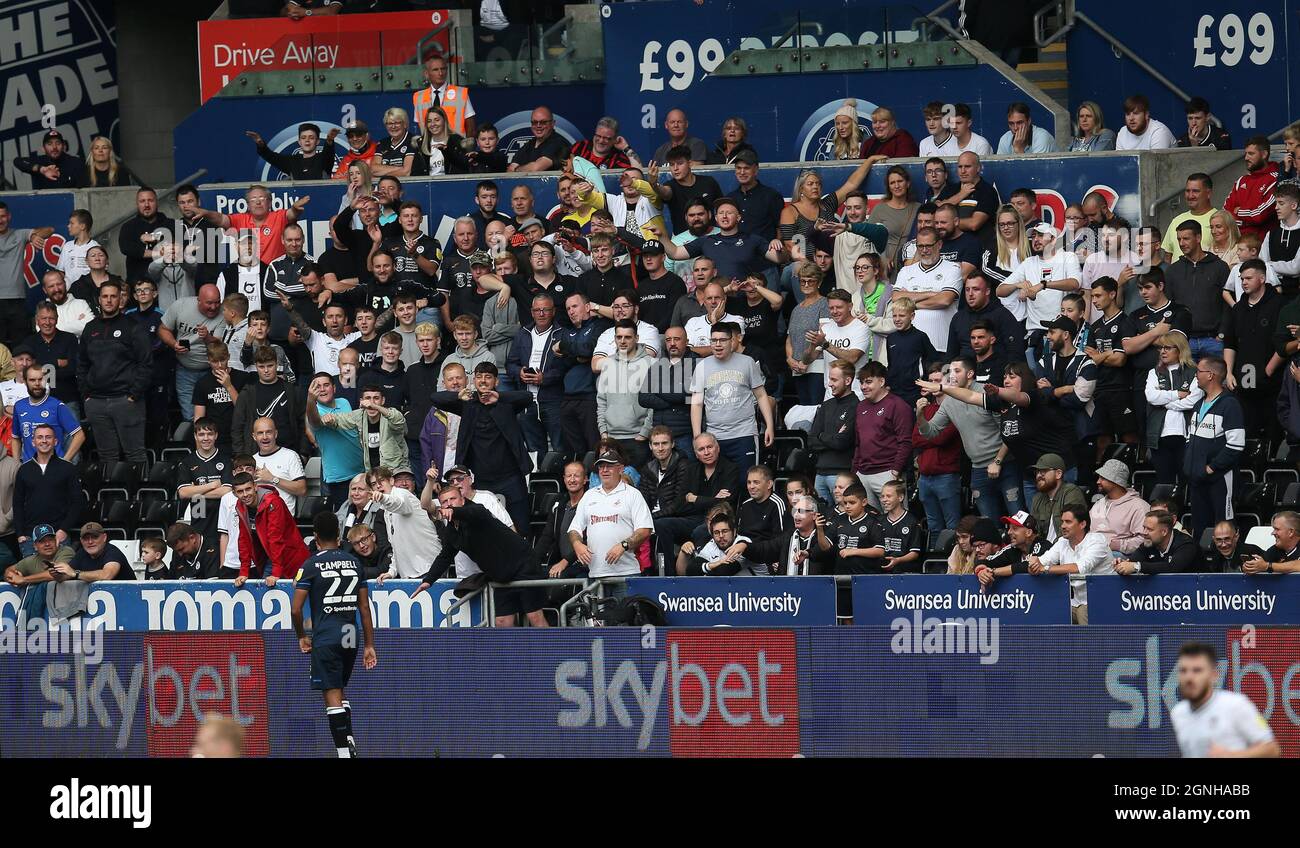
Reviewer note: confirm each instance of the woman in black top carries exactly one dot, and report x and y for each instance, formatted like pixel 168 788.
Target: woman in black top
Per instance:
pixel 440 151
pixel 87 285
pixel 735 133
pixel 104 169
pixel 395 155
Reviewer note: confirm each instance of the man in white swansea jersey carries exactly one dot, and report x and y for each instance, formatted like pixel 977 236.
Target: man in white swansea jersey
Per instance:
pixel 1211 722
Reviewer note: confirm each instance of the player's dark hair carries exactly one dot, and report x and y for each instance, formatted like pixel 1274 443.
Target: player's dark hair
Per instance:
pixel 325 525
pixel 1106 284
pixel 857 490
pixel 1199 649
pixel 241 478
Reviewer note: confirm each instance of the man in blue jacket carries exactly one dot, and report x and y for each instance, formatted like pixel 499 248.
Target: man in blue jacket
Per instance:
pixel 573 347
pixel 1215 443
pixel 531 364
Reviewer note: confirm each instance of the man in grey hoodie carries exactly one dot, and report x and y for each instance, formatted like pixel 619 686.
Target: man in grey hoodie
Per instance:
pixel 619 413
pixel 981 437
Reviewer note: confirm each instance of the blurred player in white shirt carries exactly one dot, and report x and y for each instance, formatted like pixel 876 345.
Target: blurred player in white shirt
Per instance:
pixel 1210 722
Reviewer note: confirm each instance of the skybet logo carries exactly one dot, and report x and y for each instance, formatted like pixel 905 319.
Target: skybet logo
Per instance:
pixel 720 693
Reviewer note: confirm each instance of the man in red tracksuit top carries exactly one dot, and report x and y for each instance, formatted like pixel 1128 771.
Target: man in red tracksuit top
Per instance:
pixel 884 426
pixel 1250 202
pixel 269 535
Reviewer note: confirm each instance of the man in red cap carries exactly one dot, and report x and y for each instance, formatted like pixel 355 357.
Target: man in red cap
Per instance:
pixel 1022 529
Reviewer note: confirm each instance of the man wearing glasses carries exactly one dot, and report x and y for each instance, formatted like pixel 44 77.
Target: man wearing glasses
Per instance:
pixel 607 149
pixel 531 365
pixel 545 151
pixel 728 385
pixel 1042 278
pixel 933 284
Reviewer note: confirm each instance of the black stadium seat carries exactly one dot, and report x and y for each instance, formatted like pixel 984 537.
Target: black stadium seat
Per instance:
pixel 308 506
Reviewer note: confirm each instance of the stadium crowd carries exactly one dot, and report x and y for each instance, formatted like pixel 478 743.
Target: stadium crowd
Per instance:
pixel 665 376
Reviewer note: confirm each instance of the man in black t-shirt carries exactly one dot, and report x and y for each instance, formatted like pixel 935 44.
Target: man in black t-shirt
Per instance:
pixel 1112 400
pixel 545 151
pixel 975 198
pixel 193 556
pixel 202 478
pixel 97 560
pixel 416 256
pixel 215 392
pixel 684 188
pixel 991 562
pixel 659 288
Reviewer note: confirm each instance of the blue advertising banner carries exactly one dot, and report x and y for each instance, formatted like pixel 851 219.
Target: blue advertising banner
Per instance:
pixel 741 601
pixel 1058 181
pixel 1195 599
pixel 58 64
pixel 885 600
pixel 210 605
pixel 1234 53
pixel 670 50
pixel 629 692
pixel 213 137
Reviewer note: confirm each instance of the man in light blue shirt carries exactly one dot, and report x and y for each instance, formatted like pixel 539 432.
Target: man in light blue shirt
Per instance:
pixel 340 452
pixel 1022 136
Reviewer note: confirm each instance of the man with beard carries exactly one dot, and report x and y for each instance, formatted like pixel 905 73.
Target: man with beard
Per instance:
pixel 698 219
pixel 113 370
pixel 40 408
pixel 1210 722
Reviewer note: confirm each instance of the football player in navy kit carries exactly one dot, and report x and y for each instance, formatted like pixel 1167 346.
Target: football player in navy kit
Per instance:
pixel 336 584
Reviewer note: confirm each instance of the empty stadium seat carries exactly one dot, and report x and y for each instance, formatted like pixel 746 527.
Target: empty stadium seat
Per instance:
pixel 1260 536
pixel 308 506
pixel 312 471
pixel 1290 499
pixel 551 464
pixel 1165 491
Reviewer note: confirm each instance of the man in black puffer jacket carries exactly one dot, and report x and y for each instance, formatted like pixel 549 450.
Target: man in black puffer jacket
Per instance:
pixel 664 475
pixel 113 371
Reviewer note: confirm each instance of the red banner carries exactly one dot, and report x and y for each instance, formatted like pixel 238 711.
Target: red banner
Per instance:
pixel 229 48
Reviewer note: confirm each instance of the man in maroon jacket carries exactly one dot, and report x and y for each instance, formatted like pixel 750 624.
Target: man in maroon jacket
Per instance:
pixel 884 426
pixel 269 540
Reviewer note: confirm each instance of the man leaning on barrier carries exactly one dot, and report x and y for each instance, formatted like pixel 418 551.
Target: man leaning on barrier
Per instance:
pixel 503 555
pixel 992 563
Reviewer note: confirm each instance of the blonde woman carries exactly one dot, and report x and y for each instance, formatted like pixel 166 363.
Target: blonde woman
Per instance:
pixel 395 154
pixel 360 183
pixel 1172 394
pixel 104 168
pixel 800 216
pixel 1093 134
pixel 1223 237
pixel 846 139
pixel 1013 247
pixel 440 150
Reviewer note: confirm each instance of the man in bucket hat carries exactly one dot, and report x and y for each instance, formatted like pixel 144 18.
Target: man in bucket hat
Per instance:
pixel 1119 515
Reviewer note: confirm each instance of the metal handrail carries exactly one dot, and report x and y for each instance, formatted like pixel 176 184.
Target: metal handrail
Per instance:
pixel 1119 47
pixel 935 18
pixel 162 195
pixel 1066 10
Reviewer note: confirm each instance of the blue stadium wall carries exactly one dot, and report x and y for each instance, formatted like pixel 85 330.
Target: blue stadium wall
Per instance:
pixel 657 58
pixel 1235 53
pixel 1054 691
